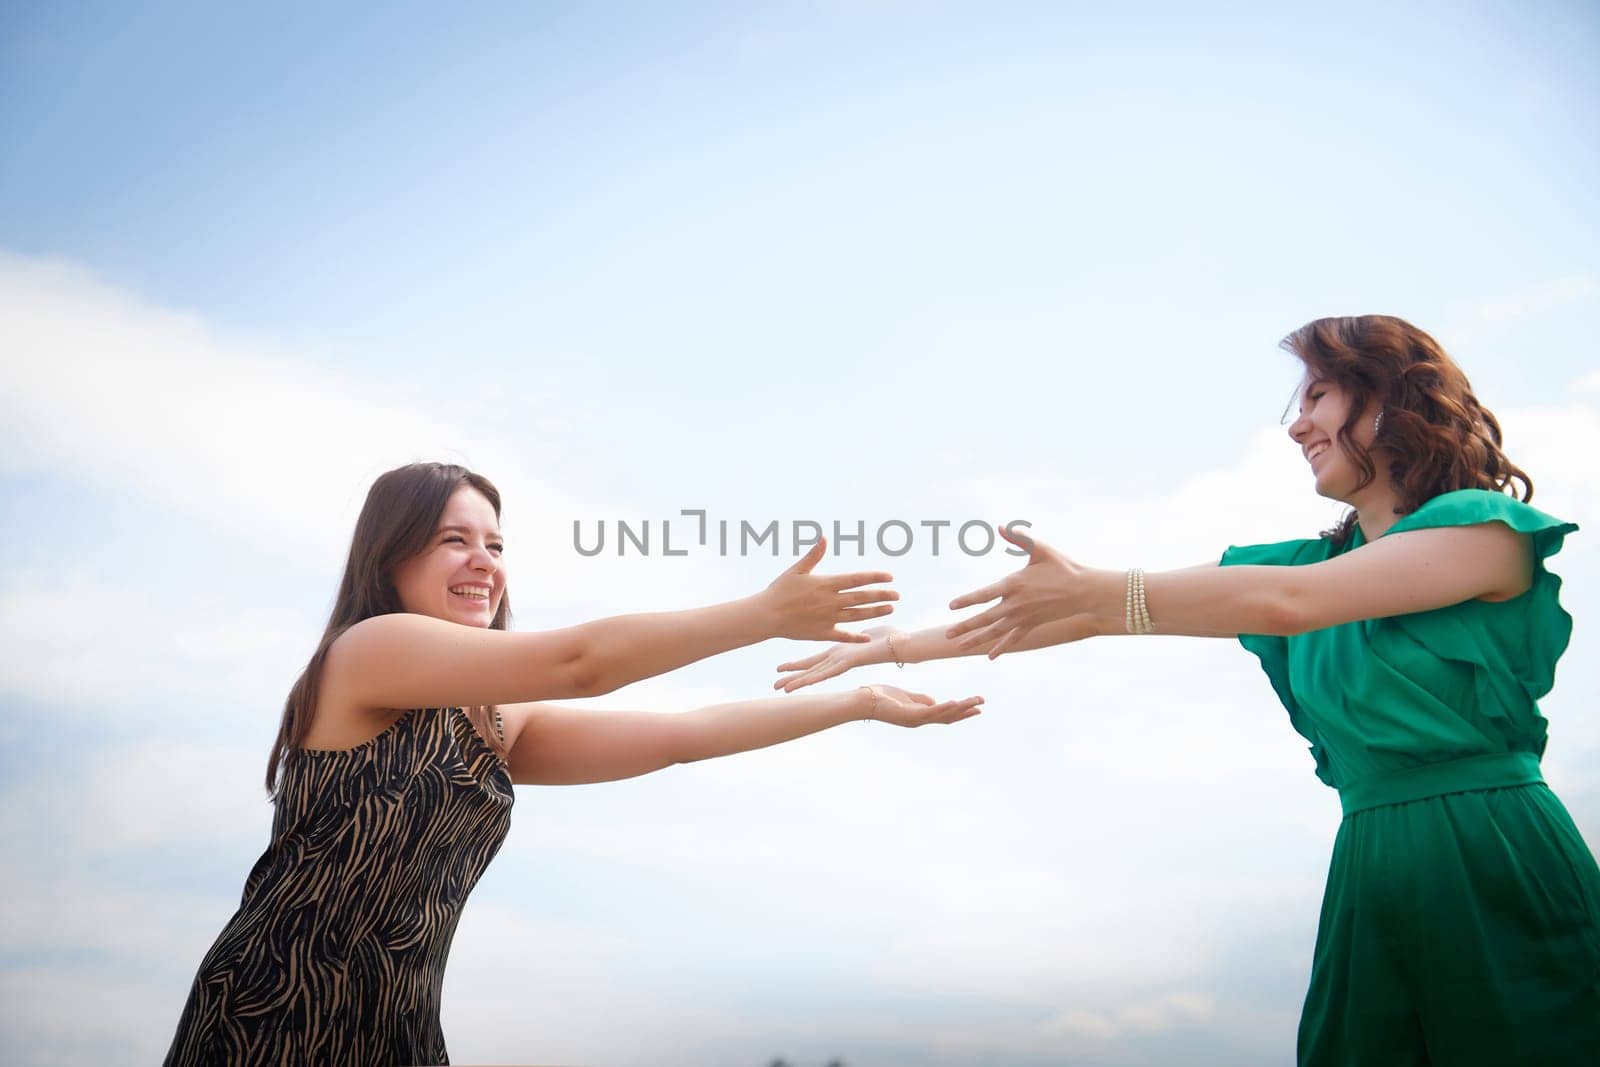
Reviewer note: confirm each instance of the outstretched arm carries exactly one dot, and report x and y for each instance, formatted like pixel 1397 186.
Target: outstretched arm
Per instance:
pixel 1416 570
pixel 555 745
pixel 406 660
pixel 894 646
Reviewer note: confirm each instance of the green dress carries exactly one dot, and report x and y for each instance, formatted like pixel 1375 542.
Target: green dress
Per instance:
pixel 1461 920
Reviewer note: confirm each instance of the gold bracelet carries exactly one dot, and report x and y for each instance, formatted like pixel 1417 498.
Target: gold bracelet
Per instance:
pixel 892 653
pixel 872 710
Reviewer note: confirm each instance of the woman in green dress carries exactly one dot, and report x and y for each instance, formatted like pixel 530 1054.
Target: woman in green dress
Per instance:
pixel 1410 645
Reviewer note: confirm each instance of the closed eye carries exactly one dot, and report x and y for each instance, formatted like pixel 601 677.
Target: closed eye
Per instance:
pixel 1312 398
pixel 493 545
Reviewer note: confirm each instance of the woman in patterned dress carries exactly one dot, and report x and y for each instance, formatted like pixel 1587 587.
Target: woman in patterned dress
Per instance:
pixel 393 769
pixel 1410 645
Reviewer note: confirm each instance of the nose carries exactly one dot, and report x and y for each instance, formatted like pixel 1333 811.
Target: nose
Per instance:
pixel 483 560
pixel 1299 428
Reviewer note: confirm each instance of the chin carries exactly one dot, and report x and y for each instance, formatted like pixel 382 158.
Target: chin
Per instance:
pixel 1327 486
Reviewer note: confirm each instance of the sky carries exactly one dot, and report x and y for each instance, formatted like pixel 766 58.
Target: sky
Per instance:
pixel 839 261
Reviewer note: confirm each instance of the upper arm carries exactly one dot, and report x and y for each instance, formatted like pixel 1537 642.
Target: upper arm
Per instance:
pixel 1411 571
pixel 555 745
pixel 416 661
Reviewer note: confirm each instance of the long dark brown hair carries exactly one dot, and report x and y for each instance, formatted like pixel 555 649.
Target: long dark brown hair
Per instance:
pixel 397 522
pixel 1441 439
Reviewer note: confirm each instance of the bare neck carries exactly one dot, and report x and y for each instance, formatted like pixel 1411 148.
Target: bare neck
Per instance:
pixel 1375 508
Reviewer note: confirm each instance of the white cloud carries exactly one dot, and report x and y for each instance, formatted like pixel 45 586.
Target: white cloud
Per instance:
pixel 1557 446
pixel 46 1018
pixel 1538 299
pixel 101 385
pixel 144 794
pixel 98 386
pixel 104 651
pixel 1147 1015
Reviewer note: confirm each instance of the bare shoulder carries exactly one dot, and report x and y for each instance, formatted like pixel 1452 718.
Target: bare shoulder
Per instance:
pixel 339 720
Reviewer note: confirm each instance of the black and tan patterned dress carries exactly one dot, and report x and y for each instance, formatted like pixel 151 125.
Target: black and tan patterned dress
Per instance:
pixel 337 952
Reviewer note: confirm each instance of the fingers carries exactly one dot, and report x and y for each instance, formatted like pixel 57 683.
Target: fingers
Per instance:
pixel 1009 640
pixel 846 637
pixel 954 710
pixel 976 622
pixel 868 596
pixel 815 675
pixel 790 682
pixel 863 614
pixel 805 563
pixel 840 582
pixel 977 596
pixel 985 636
pixel 803 664
pixel 964 713
pixel 918 709
pixel 1022 541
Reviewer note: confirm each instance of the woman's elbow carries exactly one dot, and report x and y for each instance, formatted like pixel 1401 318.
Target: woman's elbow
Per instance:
pixel 585 673
pixel 1287 616
pixel 594 680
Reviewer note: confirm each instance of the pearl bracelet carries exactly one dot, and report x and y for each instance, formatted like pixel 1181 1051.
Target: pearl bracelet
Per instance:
pixel 1136 615
pixel 892 653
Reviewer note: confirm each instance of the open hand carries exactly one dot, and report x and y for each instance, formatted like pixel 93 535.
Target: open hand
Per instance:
pixel 836 659
pixel 1048 587
pixel 917 709
pixel 811 607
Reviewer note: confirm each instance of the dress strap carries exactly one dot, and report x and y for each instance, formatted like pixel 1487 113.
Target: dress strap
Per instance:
pixel 1498 770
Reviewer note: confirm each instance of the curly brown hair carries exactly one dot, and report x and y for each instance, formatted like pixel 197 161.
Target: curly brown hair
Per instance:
pixel 1440 437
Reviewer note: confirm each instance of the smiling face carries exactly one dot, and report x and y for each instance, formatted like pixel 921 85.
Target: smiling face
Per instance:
pixel 458 576
pixel 1324 409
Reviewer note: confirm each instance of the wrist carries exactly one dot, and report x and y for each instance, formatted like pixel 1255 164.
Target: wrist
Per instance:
pixel 1108 600
pixel 864 705
pixel 763 615
pixel 882 649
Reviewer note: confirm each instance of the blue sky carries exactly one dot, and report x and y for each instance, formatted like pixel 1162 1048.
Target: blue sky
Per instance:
pixel 837 261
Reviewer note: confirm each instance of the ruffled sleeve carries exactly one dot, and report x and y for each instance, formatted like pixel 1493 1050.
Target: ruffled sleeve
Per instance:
pixel 1273 651
pixel 1513 644
pixel 1468 507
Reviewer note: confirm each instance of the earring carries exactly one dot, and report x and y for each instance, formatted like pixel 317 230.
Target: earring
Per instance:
pixel 1377 424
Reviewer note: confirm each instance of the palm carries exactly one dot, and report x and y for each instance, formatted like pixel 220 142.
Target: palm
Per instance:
pixel 901 708
pixel 829 663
